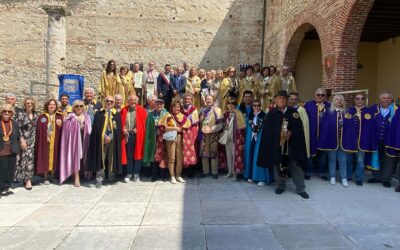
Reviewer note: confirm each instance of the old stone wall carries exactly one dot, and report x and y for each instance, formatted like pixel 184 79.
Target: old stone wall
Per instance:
pixel 339 25
pixel 205 33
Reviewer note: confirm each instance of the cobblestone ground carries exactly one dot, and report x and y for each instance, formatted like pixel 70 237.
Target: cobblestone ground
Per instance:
pixel 201 214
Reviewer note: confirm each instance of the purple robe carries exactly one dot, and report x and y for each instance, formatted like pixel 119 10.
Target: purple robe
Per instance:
pixel 331 139
pixel 314 117
pixel 73 147
pixel 363 124
pixel 393 138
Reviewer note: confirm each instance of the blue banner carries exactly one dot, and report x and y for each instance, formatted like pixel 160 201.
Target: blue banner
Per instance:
pixel 71 85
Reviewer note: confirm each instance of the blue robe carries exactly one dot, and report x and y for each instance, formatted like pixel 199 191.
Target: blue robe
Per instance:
pixel 314 117
pixel 381 128
pixel 329 137
pixel 252 170
pixel 363 124
pixel 393 137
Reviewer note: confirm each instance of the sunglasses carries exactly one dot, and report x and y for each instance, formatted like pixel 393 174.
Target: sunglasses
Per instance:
pixel 320 95
pixel 6 111
pixel 79 106
pixel 109 101
pixel 256 105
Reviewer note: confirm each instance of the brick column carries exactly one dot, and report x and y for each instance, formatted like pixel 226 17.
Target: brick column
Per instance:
pixel 56 47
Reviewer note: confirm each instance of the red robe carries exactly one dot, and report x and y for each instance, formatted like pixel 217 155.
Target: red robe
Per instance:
pixel 42 149
pixel 190 137
pixel 141 117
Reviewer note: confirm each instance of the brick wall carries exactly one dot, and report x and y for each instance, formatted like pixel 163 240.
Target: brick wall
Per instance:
pixel 339 25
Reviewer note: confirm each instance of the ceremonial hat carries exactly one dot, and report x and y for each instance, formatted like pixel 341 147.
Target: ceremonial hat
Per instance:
pixel 282 93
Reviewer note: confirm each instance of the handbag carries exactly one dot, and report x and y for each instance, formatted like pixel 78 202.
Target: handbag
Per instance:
pixel 224 137
pixel 170 135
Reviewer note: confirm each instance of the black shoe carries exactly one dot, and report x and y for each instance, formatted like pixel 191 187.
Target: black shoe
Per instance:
pixel 215 176
pixel 279 190
pixel 9 192
pixel 190 175
pixel 386 184
pixel 4 193
pixel 374 180
pixel 397 189
pixel 154 179
pixel 359 183
pixel 307 177
pixel 325 178
pixel 304 195
pixel 349 179
pixel 204 175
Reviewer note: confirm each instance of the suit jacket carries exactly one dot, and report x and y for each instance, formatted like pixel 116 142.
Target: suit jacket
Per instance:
pixel 14 139
pixel 179 84
pixel 162 86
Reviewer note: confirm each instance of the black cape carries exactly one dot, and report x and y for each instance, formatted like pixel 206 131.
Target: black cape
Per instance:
pixel 95 161
pixel 270 153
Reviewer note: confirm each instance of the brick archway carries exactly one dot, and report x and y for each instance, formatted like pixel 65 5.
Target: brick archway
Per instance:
pixel 350 23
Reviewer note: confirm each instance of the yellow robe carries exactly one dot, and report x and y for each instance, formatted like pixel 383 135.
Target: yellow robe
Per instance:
pixel 226 85
pixel 109 85
pixel 127 84
pixel 288 83
pixel 269 90
pixel 193 86
pixel 252 84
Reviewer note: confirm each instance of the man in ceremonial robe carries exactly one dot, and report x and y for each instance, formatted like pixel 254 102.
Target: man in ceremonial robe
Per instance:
pixel 137 79
pixel 287 80
pixel 211 122
pixel 150 77
pixel 133 118
pixel 271 88
pixel 90 103
pixel 363 124
pixel 393 143
pixel 65 108
pixel 284 145
pixel 110 83
pixel 383 114
pixel 105 143
pixel 164 86
pixel 316 109
pixel 152 139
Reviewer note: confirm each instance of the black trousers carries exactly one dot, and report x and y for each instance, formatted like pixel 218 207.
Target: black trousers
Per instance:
pixel 7 171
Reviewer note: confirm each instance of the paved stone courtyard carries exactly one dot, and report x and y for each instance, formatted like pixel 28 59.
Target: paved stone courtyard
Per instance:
pixel 201 214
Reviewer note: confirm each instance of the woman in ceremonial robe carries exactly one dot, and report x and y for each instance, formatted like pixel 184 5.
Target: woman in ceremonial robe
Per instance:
pixel 190 139
pixel 271 88
pixel 110 83
pixel 253 172
pixel 193 86
pixel 264 85
pixel 74 143
pixel 47 144
pixel 234 134
pixel 250 82
pixel 9 148
pixel 127 83
pixel 27 121
pixel 229 86
pixel 175 149
pixel 215 86
pixel 337 136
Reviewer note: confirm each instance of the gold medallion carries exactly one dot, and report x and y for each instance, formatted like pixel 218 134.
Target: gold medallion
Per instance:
pixel 6 138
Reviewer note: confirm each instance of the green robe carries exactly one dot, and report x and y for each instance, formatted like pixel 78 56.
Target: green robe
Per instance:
pixel 151 136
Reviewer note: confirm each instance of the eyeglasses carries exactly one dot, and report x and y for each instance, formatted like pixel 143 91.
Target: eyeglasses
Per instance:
pixel 6 111
pixel 320 95
pixel 256 105
pixel 109 101
pixel 79 106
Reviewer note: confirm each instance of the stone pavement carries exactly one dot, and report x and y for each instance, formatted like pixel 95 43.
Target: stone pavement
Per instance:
pixel 201 214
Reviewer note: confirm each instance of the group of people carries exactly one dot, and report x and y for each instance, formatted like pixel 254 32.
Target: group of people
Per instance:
pixel 169 124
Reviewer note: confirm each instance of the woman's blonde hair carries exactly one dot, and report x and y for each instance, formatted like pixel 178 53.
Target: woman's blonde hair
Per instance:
pixel 32 100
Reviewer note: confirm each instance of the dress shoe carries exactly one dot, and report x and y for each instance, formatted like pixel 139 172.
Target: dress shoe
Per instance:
pixel 359 183
pixel 307 177
pixel 304 195
pixel 374 180
pixel 203 175
pixel 397 189
pixel 215 176
pixel 279 190
pixel 386 184
pixel 154 179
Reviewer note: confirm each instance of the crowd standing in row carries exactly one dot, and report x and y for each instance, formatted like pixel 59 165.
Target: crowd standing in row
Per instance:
pixel 168 123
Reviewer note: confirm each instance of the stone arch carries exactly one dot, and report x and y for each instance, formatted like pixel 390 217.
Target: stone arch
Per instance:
pixel 354 15
pixel 301 24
